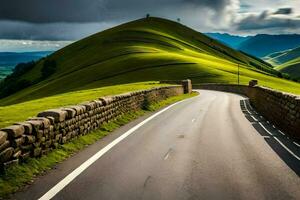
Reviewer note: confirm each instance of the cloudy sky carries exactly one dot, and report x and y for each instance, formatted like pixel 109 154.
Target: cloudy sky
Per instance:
pixel 44 24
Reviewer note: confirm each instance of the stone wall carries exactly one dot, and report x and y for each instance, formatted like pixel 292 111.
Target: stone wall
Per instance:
pixel 282 109
pixel 39 135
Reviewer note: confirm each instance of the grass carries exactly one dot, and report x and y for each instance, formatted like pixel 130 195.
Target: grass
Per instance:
pixel 18 176
pixel 291 67
pixel 22 111
pixel 145 50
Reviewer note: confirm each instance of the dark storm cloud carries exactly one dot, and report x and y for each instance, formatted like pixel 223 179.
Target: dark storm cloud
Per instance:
pixel 47 11
pixel 74 19
pixel 283 11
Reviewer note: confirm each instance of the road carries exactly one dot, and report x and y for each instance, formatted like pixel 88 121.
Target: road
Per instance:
pixel 213 146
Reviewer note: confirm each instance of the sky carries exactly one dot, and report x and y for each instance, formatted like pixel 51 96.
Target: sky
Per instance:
pixel 33 25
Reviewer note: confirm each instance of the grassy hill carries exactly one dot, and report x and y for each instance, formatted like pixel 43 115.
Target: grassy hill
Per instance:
pixel 144 50
pixel 262 45
pixel 291 67
pixel 281 57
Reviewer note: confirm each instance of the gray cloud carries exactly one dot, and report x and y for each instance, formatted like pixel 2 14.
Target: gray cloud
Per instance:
pixel 283 11
pixel 267 20
pixel 74 19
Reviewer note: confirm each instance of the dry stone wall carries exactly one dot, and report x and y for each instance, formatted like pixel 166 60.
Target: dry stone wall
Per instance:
pixel 283 109
pixel 39 135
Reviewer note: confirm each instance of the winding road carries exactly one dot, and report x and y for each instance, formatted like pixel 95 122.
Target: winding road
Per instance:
pixel 212 146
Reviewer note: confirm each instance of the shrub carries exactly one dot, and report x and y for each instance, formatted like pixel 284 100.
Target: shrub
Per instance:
pixel 12 82
pixel 49 68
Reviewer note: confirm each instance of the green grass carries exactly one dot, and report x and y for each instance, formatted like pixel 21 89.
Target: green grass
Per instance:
pixel 22 111
pixel 18 176
pixel 145 50
pixel 291 67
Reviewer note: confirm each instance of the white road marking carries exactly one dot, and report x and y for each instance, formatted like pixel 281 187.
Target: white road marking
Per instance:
pixel 298 145
pixel 292 153
pixel 281 132
pixel 255 119
pixel 193 120
pixel 265 128
pixel 65 181
pixel 286 148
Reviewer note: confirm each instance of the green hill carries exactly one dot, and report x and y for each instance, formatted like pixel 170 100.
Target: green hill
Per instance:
pixel 143 50
pixel 291 67
pixel 281 57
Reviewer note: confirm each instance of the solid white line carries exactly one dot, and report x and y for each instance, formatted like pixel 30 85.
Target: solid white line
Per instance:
pixel 280 143
pixel 65 181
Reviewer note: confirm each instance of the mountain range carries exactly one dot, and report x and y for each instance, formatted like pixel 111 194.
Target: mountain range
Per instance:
pixel 259 45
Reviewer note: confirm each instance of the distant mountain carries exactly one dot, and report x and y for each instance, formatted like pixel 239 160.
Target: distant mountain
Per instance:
pixel 13 58
pixel 231 40
pixel 263 45
pixel 8 60
pixel 281 57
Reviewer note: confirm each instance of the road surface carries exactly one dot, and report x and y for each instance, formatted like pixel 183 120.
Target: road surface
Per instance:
pixel 213 146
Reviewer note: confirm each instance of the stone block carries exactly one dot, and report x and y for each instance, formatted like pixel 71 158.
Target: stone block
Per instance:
pixel 70 112
pixel 59 115
pixel 6 154
pixel 14 131
pixel 3 137
pixel 5 145
pixel 27 127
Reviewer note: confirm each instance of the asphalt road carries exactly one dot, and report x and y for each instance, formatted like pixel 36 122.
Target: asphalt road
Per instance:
pixel 213 146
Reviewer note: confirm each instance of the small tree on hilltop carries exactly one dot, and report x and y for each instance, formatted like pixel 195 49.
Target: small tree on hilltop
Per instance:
pixel 148 15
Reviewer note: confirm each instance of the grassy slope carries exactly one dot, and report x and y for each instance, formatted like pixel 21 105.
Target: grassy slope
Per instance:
pixel 291 67
pixel 282 57
pixel 144 50
pixel 21 111
pixel 287 61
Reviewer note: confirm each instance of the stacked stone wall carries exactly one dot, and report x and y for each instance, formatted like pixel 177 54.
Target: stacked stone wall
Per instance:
pixel 39 135
pixel 282 109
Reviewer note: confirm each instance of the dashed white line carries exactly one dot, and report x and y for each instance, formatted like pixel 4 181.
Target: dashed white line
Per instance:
pixel 280 132
pixel 287 149
pixel 292 153
pixel 65 181
pixel 298 145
